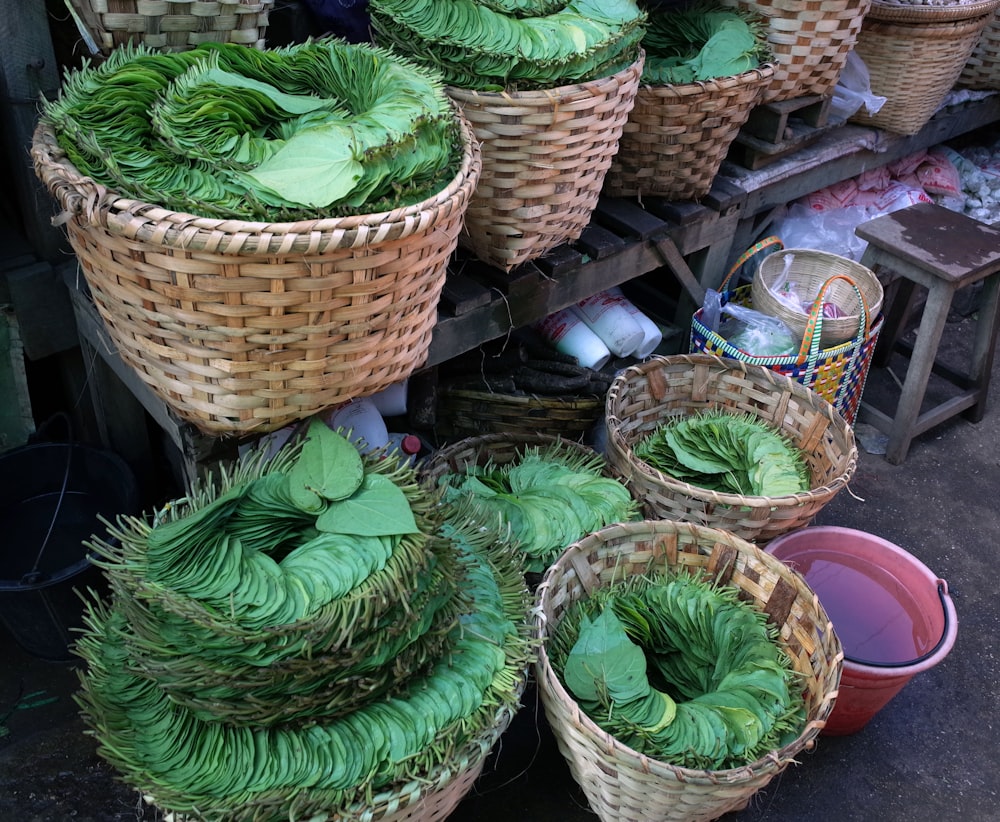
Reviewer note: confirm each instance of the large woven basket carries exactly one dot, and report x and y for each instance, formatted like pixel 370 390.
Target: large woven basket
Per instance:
pixel 677 136
pixel 241 326
pixel 621 784
pixel 173 25
pixel 982 70
pixel 809 269
pixel 545 155
pixel 644 396
pixel 810 41
pixel 915 55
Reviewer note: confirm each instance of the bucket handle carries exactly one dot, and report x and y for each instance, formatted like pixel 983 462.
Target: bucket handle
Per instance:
pixel 942 589
pixel 34 576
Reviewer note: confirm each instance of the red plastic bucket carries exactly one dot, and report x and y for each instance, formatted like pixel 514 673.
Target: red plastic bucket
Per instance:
pixel 893 616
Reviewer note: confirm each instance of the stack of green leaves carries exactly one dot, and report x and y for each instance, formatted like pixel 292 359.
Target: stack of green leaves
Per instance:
pixel 703 41
pixel 681 670
pixel 306 632
pixel 316 129
pixel 547 499
pixel 492 45
pixel 729 453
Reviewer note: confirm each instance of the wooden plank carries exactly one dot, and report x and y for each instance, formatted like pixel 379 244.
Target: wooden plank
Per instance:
pixel 560 260
pixel 43 308
pixel 597 242
pixel 770 122
pixel 461 294
pixel 16 420
pixel 678 212
pixel 627 219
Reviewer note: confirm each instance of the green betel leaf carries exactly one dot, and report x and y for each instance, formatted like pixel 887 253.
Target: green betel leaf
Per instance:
pixel 328 468
pixel 605 661
pixel 315 167
pixel 378 508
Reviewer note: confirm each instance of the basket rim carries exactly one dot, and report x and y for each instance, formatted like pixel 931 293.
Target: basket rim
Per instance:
pixel 760 373
pixel 774 761
pixel 907 13
pixel 84 199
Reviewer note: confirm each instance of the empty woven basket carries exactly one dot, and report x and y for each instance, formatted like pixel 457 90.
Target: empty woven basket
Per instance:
pixel 240 326
pixel 621 784
pixel 545 155
pixel 982 70
pixel 644 396
pixel 677 136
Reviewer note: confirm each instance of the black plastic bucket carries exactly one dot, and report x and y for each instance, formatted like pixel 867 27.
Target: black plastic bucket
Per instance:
pixel 51 494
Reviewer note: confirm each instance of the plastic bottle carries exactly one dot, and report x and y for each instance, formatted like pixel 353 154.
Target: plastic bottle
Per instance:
pixel 391 401
pixel 408 446
pixel 568 333
pixel 361 423
pixel 607 317
pixel 652 335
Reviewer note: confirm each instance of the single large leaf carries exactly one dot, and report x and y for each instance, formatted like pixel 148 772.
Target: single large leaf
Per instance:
pixel 378 508
pixel 328 468
pixel 605 661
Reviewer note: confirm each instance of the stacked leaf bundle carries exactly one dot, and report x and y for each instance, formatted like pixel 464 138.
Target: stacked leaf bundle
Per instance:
pixel 493 45
pixel 680 669
pixel 316 129
pixel 306 635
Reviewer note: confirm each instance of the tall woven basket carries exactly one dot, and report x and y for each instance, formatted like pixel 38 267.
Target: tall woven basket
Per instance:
pixel 677 136
pixel 982 70
pixel 545 155
pixel 915 55
pixel 241 326
pixel 810 41
pixel 644 396
pixel 177 25
pixel 621 784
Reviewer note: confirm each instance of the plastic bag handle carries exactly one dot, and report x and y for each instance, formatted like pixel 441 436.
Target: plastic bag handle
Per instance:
pixel 811 337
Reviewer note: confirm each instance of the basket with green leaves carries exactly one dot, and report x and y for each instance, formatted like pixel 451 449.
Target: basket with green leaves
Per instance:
pixel 547 86
pixel 706 68
pixel 287 216
pixel 310 636
pixel 681 669
pixel 726 444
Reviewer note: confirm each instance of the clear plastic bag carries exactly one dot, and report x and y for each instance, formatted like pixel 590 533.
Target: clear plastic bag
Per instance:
pixel 854 90
pixel 758 334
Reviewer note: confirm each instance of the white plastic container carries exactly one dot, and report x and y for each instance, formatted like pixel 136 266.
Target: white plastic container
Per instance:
pixel 391 401
pixel 652 335
pixel 607 317
pixel 362 424
pixel 566 331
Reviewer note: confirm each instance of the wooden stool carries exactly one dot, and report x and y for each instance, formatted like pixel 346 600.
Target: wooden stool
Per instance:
pixel 928 245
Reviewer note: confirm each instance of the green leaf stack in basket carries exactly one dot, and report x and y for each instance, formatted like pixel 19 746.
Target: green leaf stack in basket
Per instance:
pixel 322 128
pixel 313 636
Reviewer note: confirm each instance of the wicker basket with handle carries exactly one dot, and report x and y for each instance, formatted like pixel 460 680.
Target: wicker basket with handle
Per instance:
pixel 644 396
pixel 622 784
pixel 245 327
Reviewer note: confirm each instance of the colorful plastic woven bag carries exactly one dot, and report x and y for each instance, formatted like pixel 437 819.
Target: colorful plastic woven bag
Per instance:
pixel 837 374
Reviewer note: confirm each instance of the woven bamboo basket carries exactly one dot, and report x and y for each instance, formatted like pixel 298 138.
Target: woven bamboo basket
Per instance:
pixel 677 136
pixel 622 784
pixel 469 412
pixel 644 396
pixel 915 55
pixel 809 269
pixel 982 70
pixel 545 155
pixel 173 25
pixel 810 41
pixel 241 326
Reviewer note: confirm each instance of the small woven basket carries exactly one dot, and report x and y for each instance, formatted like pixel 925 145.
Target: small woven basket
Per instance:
pixel 810 41
pixel 809 270
pixel 982 70
pixel 644 396
pixel 545 155
pixel 622 784
pixel 174 25
pixel 677 136
pixel 241 326
pixel 915 55
pixel 469 412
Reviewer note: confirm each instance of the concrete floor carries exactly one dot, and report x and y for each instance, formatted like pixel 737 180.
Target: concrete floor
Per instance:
pixel 930 754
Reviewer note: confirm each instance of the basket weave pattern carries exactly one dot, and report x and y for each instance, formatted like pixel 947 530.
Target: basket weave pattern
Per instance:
pixel 644 396
pixel 174 25
pixel 621 784
pixel 545 155
pixel 915 55
pixel 810 41
pixel 809 270
pixel 677 136
pixel 982 70
pixel 241 326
